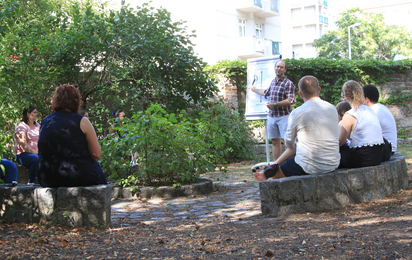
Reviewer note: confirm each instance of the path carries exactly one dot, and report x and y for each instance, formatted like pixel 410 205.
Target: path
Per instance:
pixel 233 200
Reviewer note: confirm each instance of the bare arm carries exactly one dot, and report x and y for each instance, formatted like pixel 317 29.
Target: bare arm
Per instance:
pixel 283 103
pixel 92 143
pixel 345 128
pixel 288 153
pixel 22 141
pixel 257 91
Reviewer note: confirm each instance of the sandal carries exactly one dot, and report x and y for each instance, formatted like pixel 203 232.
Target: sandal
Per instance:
pixel 270 171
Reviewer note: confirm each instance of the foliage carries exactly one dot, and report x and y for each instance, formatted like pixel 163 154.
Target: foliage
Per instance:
pixel 238 138
pixel 127 58
pixel 170 149
pixel 235 70
pixel 373 39
pixel 397 96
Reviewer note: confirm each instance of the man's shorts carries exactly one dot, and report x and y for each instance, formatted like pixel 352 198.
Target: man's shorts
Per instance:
pixel 291 168
pixel 277 126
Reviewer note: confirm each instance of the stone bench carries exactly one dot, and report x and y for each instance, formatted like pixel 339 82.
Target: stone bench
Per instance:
pixel 71 206
pixel 333 190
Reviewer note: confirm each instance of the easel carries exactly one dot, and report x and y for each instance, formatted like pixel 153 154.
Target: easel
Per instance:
pixel 254 167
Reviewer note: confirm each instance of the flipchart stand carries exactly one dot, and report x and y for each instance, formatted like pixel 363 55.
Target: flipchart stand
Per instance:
pixel 258 165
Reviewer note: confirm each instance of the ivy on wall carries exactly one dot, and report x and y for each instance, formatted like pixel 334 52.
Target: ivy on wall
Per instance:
pixel 332 74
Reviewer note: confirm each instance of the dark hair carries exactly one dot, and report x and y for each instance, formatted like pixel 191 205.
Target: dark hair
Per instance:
pixel 342 108
pixel 286 66
pixel 371 92
pixel 66 97
pixel 116 113
pixel 309 86
pixel 25 118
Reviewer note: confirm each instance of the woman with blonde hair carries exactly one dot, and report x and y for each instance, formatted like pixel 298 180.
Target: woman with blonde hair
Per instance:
pixel 68 146
pixel 360 125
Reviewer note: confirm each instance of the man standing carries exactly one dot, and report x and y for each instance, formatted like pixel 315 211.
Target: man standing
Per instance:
pixel 312 137
pixel 386 119
pixel 281 94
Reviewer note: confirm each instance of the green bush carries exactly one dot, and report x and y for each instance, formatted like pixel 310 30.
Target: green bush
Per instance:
pixel 174 149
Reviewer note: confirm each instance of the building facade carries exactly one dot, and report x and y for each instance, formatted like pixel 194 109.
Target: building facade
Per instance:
pixel 304 21
pixel 228 29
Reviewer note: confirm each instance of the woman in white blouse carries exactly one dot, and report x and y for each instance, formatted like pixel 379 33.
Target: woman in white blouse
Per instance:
pixel 360 125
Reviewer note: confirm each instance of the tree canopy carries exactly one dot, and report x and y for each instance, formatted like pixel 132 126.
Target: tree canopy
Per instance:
pixel 126 58
pixel 372 39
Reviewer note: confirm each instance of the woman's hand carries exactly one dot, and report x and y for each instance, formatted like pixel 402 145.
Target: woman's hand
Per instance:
pixel 92 143
pixel 22 141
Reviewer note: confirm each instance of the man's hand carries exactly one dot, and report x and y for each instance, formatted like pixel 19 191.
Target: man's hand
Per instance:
pixel 270 105
pixel 252 87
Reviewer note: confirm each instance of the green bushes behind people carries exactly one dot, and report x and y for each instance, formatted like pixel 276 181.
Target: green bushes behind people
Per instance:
pixel 174 148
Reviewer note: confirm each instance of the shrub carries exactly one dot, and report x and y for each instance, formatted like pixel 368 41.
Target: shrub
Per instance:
pixel 174 149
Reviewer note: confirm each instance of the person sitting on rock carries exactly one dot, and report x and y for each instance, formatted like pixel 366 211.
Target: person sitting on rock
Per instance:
pixel 68 145
pixel 312 137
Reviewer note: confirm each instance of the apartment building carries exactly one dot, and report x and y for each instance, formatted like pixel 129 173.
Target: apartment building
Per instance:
pixel 228 29
pixel 303 22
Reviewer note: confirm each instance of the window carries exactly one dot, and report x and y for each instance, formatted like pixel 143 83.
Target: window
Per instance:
pixel 259 30
pixel 242 27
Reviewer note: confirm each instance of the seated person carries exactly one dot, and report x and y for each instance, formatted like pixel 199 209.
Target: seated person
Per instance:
pixel 26 135
pixel 342 108
pixel 68 146
pixel 8 172
pixel 361 127
pixel 386 119
pixel 119 115
pixel 311 139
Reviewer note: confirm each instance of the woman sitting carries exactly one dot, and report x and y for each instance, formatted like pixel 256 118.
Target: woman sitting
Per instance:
pixel 26 135
pixel 68 146
pixel 360 125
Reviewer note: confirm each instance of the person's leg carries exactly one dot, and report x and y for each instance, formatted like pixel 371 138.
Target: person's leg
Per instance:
pixel 274 134
pixel 276 148
pixel 290 168
pixel 29 160
pixel 10 175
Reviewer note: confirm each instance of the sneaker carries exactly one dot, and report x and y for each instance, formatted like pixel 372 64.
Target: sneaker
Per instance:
pixel 269 171
pixel 30 183
pixel 13 184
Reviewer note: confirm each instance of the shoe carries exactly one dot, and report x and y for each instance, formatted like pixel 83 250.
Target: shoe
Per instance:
pixel 269 171
pixel 30 183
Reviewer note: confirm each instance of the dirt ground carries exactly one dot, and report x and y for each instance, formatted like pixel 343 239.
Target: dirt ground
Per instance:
pixel 373 230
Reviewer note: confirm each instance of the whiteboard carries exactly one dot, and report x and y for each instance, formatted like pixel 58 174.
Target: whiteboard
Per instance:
pixel 263 70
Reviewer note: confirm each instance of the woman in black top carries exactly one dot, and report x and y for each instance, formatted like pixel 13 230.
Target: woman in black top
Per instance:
pixel 68 146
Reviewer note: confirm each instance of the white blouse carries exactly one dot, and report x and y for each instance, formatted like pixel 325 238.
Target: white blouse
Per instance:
pixel 367 131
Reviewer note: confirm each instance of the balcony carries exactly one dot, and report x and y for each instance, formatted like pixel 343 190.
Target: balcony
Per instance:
pixel 252 47
pixel 260 8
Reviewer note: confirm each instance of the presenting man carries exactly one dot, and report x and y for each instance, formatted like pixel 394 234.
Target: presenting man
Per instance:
pixel 281 94
pixel 386 119
pixel 312 137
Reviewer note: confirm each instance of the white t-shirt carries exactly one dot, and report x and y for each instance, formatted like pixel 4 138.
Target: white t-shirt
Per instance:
pixel 367 131
pixel 388 124
pixel 314 127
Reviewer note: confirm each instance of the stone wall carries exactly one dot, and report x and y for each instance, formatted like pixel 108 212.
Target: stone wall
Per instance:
pixel 333 190
pixel 78 206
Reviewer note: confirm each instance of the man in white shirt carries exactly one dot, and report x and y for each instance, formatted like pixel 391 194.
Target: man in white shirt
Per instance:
pixel 386 119
pixel 311 139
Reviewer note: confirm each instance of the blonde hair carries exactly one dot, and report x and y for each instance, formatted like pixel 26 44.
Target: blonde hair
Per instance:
pixel 342 108
pixel 354 91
